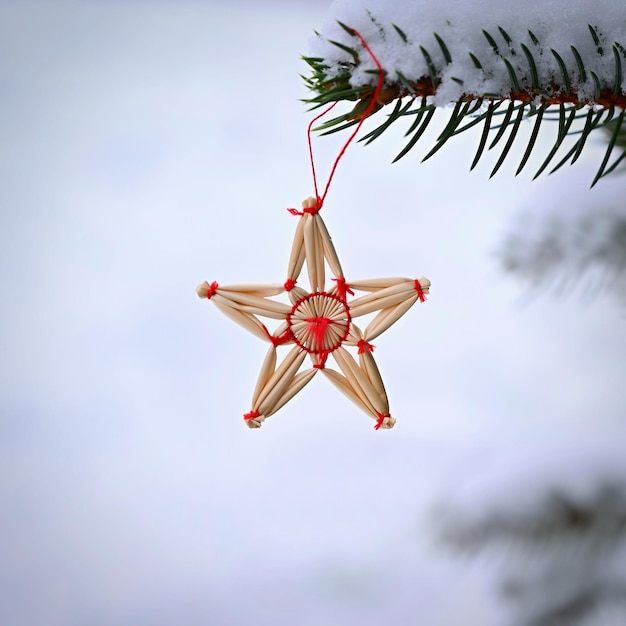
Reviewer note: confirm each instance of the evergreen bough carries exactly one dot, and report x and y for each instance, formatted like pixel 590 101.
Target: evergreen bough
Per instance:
pixel 526 97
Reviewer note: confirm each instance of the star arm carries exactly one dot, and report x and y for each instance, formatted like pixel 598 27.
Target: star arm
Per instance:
pixel 360 383
pixel 397 290
pixel 298 382
pixel 367 362
pixel 312 243
pixel 329 249
pixel 368 365
pixel 277 379
pixel 277 385
pixel 251 301
pixel 204 290
pixel 267 369
pixel 314 252
pixel 250 322
pixel 242 303
pixel 391 301
pixel 376 284
pixel 387 318
pixel 341 383
pixel 352 390
pixel 296 258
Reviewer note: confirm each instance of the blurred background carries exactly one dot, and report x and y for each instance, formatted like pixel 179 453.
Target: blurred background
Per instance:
pixel 148 146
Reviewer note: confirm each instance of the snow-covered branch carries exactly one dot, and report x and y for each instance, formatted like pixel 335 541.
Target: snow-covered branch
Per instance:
pixel 535 56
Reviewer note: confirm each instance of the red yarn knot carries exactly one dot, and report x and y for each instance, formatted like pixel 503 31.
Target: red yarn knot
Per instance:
pixel 380 420
pixel 290 283
pixel 364 346
pixel 318 326
pixel 342 287
pixel 212 289
pixel 420 292
pixel 311 210
pixel 250 416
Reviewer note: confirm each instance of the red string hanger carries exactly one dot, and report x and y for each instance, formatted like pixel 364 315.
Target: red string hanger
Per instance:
pixel 368 111
pixel 319 323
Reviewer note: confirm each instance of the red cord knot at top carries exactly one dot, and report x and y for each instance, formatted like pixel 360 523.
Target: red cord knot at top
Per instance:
pixel 364 346
pixel 290 283
pixel 250 416
pixel 380 420
pixel 342 287
pixel 310 206
pixel 420 292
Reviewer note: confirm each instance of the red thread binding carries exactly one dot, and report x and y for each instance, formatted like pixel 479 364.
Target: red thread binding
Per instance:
pixel 364 346
pixel 290 283
pixel 286 337
pixel 420 292
pixel 281 339
pixel 212 289
pixel 342 287
pixel 380 420
pixel 250 416
pixel 311 210
pixel 322 364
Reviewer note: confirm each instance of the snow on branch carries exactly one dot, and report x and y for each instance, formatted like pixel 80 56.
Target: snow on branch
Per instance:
pixel 561 56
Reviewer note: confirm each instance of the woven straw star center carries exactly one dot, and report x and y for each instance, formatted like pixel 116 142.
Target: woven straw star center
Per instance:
pixel 319 322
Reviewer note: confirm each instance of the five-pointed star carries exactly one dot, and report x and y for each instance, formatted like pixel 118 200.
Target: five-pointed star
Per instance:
pixel 319 323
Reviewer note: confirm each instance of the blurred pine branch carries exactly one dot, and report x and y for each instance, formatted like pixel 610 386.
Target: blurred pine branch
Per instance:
pixel 562 562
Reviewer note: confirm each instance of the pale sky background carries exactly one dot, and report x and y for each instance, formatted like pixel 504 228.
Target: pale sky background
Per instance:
pixel 147 146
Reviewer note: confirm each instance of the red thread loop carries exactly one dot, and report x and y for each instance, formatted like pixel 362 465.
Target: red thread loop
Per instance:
pixel 250 416
pixel 364 346
pixel 420 292
pixel 211 290
pixel 380 420
pixel 290 283
pixel 368 111
pixel 342 287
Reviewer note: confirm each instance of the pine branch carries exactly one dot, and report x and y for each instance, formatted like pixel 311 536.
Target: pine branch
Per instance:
pixel 559 518
pixel 558 556
pixel 577 251
pixel 577 87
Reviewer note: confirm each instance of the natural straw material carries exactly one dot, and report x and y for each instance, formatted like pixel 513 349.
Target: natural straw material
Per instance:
pixel 319 322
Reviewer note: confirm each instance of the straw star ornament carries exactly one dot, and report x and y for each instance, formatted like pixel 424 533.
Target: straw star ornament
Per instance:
pixel 319 323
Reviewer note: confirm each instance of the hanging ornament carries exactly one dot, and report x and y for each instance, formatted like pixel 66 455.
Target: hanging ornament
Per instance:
pixel 319 322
